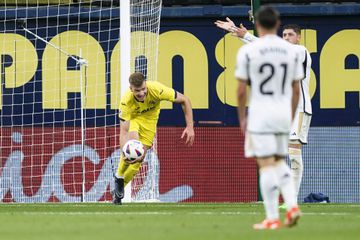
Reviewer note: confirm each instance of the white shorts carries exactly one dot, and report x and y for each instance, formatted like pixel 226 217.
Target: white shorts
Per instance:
pixel 300 127
pixel 266 145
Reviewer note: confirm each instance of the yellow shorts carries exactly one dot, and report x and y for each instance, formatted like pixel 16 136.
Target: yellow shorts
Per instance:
pixel 146 128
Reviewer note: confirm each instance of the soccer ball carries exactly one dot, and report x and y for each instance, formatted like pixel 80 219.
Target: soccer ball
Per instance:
pixel 133 149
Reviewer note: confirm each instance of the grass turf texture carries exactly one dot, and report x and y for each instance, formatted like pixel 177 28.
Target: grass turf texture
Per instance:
pixel 170 221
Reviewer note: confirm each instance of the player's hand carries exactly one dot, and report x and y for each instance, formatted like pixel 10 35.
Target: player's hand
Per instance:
pixel 239 31
pixel 243 124
pixel 126 159
pixel 140 159
pixel 190 135
pixel 227 26
pixel 232 28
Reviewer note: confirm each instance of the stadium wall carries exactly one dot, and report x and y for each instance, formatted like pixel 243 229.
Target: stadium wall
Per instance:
pixel 198 59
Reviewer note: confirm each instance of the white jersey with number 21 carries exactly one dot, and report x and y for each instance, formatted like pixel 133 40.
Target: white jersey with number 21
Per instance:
pixel 269 65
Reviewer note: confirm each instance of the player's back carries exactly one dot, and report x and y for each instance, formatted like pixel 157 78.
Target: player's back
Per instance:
pixel 272 63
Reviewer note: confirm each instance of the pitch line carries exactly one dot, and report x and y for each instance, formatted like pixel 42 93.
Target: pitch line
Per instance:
pixel 165 213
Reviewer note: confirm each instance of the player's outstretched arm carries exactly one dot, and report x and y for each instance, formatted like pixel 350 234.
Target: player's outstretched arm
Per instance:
pixel 240 32
pixel 227 25
pixel 295 98
pixel 241 95
pixel 186 106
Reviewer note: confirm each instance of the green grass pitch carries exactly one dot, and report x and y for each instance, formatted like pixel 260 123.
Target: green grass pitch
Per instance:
pixel 170 222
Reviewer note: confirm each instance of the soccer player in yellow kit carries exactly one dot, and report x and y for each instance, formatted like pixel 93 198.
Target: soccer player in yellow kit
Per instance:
pixel 139 112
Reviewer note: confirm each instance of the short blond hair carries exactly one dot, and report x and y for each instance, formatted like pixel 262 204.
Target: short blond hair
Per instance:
pixel 136 79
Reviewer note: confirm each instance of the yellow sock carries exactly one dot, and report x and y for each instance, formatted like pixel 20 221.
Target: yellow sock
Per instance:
pixel 127 171
pixel 122 167
pixel 131 171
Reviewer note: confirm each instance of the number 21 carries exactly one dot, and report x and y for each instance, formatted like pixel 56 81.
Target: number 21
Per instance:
pixel 268 78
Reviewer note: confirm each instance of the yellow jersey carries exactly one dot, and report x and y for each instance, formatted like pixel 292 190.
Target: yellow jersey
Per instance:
pixel 131 108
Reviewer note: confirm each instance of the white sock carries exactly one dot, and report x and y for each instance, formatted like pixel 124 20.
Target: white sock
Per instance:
pixel 269 187
pixel 297 168
pixel 286 184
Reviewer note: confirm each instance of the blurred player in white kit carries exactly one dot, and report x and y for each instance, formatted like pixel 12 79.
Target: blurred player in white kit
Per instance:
pixel 272 67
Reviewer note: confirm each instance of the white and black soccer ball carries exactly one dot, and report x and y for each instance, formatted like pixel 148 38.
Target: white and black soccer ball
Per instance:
pixel 133 149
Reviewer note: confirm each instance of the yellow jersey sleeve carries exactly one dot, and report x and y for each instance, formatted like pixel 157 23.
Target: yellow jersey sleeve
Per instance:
pixel 164 92
pixel 124 108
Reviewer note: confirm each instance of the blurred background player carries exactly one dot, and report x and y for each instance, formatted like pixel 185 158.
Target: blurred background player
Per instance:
pixel 272 66
pixel 139 112
pixel 301 124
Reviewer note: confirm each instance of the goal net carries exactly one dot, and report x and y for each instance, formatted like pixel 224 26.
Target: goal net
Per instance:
pixel 140 24
pixel 62 73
